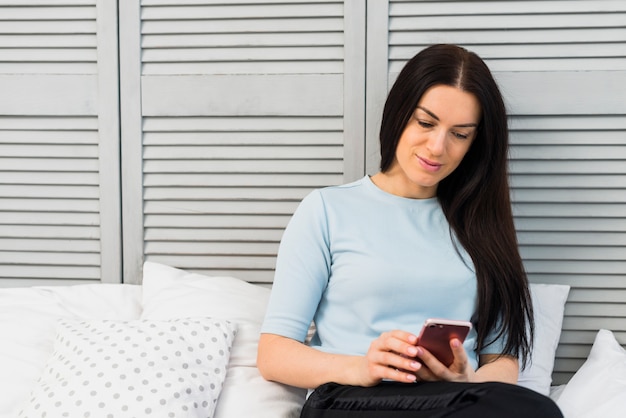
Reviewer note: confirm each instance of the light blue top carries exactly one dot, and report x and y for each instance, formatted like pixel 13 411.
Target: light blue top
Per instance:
pixel 360 261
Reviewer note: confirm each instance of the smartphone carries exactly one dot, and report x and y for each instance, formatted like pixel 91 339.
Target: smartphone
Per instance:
pixel 436 334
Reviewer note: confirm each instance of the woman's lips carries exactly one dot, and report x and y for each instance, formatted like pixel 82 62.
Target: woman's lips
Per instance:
pixel 429 165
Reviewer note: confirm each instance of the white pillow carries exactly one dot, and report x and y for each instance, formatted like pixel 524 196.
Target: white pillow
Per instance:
pixel 103 368
pixel 549 306
pixel 173 293
pixel 28 324
pixel 598 388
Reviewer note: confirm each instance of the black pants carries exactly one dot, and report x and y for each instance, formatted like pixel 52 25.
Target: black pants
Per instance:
pixel 432 399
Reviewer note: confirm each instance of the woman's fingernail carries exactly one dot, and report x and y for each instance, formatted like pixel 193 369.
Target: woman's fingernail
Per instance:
pixel 412 351
pixel 415 365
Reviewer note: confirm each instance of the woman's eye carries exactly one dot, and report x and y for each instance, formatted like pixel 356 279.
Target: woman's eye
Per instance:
pixel 425 124
pixel 461 135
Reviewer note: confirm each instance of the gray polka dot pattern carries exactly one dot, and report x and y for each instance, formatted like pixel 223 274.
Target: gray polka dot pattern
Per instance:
pixel 115 369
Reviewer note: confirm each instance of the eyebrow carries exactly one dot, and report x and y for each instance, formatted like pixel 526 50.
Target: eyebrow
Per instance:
pixel 462 125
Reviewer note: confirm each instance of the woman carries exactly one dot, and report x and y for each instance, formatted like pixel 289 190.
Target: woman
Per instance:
pixel 430 235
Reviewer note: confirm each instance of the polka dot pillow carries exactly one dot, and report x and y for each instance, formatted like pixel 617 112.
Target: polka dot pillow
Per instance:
pixel 134 369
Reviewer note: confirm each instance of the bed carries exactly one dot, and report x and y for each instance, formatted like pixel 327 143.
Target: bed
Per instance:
pixel 184 345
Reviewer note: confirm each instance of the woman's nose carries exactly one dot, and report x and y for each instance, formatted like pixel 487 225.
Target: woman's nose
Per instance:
pixel 437 141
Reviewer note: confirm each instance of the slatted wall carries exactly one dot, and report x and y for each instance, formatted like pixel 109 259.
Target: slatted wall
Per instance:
pixel 51 146
pixel 242 115
pixel 562 69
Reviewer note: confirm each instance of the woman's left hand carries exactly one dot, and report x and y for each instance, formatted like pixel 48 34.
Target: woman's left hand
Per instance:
pixel 459 371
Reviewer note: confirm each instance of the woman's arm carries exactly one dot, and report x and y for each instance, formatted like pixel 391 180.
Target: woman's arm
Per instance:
pixel 288 361
pixel 497 368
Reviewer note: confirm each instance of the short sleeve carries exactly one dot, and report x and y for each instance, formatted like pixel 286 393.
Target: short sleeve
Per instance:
pixel 302 271
pixel 495 344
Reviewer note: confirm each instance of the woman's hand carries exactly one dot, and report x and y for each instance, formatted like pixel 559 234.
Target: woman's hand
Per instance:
pixel 459 371
pixel 391 356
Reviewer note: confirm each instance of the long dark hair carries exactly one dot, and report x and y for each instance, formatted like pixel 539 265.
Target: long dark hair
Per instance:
pixel 475 197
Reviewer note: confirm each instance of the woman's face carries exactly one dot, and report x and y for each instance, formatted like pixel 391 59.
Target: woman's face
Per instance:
pixel 434 141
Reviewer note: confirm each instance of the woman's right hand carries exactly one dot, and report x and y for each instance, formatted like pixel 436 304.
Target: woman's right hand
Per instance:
pixel 391 357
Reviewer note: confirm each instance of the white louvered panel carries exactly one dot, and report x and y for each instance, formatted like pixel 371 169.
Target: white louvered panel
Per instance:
pixel 173 225
pixel 47 41
pixel 225 248
pixel 574 210
pixel 54 37
pixel 568 267
pixel 559 166
pixel 569 197
pixel 225 10
pixel 604 224
pixel 28 274
pixel 598 295
pixel 222 193
pixel 596 151
pixel 228 38
pixel 480 36
pixel 34 244
pixel 247 137
pixel 239 265
pixel 49 218
pixel 49 259
pixel 569 181
pixel 601 309
pixel 47 137
pixel 540 136
pixel 307 95
pixel 515 35
pixel 49 199
pixel 56 151
pixel 238 40
pixel 45 2
pixel 574 267
pixel 241 180
pixel 47 95
pixel 238 54
pixel 566 240
pixel 50 178
pixel 234 2
pixel 241 113
pixel 244 67
pixel 195 231
pixel 44 165
pixel 198 206
pixel 581 281
pixel 48 192
pixel 315 129
pixel 496 8
pixel 246 166
pixel 530 128
pixel 46 231
pixel 218 191
pixel 245 152
pixel 57 205
pixel 575 338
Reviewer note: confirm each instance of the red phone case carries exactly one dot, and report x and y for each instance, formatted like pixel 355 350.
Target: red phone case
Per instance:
pixel 436 334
